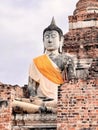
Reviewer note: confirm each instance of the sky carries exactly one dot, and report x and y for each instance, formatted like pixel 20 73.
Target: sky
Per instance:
pixel 21 27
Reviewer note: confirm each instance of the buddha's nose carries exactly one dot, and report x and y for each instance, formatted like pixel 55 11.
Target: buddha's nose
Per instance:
pixel 50 40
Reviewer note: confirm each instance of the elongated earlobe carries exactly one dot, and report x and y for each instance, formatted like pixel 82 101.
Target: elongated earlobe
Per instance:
pixel 61 44
pixel 44 49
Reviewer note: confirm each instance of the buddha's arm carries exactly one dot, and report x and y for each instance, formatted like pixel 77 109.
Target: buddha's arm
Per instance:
pixel 32 87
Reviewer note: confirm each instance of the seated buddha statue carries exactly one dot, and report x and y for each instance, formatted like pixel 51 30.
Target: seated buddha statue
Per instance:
pixel 47 72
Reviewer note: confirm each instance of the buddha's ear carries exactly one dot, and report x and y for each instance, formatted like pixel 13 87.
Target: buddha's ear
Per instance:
pixel 61 43
pixel 44 49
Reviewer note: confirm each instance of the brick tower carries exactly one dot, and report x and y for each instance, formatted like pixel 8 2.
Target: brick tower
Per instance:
pixel 82 38
pixel 78 102
pixel 83 29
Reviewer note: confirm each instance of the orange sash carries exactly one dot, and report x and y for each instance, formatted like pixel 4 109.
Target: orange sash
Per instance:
pixel 46 68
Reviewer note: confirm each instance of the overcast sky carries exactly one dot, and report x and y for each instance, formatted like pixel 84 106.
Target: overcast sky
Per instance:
pixel 21 26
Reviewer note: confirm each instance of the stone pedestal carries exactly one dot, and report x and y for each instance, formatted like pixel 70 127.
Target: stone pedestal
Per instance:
pixel 34 122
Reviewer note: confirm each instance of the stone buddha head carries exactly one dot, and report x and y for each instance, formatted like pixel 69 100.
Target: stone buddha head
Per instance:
pixel 52 37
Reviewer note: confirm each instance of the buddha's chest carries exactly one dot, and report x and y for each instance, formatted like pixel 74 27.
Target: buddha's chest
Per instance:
pixel 59 61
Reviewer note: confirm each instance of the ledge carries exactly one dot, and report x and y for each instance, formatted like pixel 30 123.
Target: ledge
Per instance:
pixel 34 120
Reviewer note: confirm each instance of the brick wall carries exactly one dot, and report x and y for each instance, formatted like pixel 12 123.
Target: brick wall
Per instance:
pixel 78 106
pixel 5 107
pixel 7 94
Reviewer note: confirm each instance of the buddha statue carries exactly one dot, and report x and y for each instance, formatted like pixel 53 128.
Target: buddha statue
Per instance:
pixel 47 72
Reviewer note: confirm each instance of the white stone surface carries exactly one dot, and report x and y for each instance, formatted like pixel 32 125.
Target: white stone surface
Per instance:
pixel 92 9
pixel 83 24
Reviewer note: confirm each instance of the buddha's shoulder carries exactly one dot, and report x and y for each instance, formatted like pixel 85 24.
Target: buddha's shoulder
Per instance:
pixel 64 56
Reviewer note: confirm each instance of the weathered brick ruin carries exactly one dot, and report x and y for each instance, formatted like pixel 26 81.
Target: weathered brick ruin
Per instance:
pixel 78 101
pixel 7 94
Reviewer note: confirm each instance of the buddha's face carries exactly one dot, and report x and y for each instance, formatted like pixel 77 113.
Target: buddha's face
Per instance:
pixel 51 40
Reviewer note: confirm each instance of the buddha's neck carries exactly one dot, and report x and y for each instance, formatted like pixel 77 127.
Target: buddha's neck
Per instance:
pixel 55 52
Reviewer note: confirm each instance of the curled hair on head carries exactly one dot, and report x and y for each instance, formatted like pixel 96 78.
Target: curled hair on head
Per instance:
pixel 51 27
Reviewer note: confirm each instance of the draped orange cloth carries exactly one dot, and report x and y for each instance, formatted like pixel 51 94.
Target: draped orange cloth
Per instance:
pixel 46 68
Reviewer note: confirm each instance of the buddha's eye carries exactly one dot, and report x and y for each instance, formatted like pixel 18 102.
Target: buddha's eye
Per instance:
pixel 53 35
pixel 46 36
